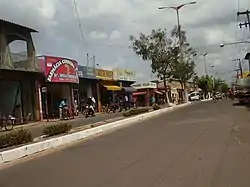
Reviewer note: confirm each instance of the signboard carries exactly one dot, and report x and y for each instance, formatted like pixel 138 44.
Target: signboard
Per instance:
pixel 104 74
pixel 245 74
pixel 86 72
pixel 124 74
pixel 61 70
pixel 145 85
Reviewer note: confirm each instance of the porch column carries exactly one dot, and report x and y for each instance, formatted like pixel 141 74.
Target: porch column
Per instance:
pixel 3 44
pixel 31 53
pixel 99 104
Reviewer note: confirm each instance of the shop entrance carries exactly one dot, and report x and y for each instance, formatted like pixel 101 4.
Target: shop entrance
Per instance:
pixel 10 98
pixel 54 94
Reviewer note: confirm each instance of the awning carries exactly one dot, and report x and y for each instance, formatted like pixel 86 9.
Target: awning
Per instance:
pixel 139 93
pixel 129 89
pixel 112 87
pixel 158 92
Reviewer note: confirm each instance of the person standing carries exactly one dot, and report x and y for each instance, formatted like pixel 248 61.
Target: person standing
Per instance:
pixel 62 105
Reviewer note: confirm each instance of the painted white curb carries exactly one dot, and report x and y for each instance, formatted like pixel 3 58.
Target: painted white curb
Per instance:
pixel 26 150
pixel 207 100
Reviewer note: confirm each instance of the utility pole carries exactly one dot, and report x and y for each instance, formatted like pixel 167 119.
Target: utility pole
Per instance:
pixel 246 23
pixel 240 67
pixel 94 63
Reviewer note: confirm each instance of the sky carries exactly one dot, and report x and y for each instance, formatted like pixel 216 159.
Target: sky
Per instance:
pixel 107 24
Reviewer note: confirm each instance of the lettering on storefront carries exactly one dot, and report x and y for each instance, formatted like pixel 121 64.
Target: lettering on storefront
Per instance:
pixel 145 85
pixel 104 74
pixel 124 74
pixel 61 70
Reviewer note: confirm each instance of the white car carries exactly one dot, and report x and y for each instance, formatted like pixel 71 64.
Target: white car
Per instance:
pixel 194 96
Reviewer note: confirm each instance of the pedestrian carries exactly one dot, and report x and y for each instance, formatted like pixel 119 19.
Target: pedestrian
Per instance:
pixel 62 106
pixel 94 102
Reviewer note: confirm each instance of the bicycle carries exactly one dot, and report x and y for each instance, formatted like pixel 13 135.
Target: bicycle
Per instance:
pixel 8 123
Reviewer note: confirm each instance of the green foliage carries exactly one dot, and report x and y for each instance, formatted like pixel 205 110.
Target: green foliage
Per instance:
pixel 16 137
pixel 182 68
pixel 162 50
pixel 220 85
pixel 206 83
pixel 157 48
pixel 57 129
pixel 134 112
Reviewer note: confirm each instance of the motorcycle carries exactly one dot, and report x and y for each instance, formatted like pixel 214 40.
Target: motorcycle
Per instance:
pixel 89 111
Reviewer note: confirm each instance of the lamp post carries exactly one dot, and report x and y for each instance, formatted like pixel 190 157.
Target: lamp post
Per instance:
pixel 205 62
pixel 233 43
pixel 177 8
pixel 238 42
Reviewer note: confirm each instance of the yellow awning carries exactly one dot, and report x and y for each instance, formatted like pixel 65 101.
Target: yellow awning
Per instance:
pixel 113 87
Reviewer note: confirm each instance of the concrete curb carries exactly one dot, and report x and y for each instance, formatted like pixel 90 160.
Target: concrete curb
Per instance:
pixel 26 150
pixel 207 100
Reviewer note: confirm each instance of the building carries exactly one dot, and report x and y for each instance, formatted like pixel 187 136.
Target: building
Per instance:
pixel 144 92
pixel 18 74
pixel 60 76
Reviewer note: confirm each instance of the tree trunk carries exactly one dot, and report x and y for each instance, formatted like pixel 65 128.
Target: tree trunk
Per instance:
pixel 185 92
pixel 184 88
pixel 165 88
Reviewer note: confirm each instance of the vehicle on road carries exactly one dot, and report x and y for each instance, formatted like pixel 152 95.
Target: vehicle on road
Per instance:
pixel 194 96
pixel 243 90
pixel 89 111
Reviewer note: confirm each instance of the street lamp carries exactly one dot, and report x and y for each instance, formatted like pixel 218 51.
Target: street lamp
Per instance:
pixel 177 8
pixel 204 56
pixel 232 43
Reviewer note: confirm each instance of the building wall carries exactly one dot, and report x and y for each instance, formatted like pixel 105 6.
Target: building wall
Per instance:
pixel 18 94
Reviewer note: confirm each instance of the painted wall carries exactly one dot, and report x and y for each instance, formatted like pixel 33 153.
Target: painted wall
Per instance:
pixel 7 97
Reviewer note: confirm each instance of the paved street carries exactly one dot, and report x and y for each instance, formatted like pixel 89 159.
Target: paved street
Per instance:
pixel 204 145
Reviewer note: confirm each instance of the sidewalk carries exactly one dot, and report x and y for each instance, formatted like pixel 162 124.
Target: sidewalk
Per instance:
pixel 36 128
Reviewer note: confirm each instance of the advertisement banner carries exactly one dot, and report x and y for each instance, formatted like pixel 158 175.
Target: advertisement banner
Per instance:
pixel 104 74
pixel 124 74
pixel 86 72
pixel 62 70
pixel 145 85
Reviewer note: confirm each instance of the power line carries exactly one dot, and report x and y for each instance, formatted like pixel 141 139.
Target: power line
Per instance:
pixel 78 19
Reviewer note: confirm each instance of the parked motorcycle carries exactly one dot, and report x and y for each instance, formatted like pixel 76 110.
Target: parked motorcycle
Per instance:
pixel 89 111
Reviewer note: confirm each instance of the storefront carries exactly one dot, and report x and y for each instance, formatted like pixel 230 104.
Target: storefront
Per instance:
pixel 107 87
pixel 144 92
pixel 126 78
pixel 18 96
pixel 58 84
pixel 87 83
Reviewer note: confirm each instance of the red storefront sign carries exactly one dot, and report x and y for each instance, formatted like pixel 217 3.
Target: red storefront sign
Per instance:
pixel 61 70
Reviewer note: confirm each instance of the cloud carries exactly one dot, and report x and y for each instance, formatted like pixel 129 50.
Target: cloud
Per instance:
pixel 107 25
pixel 97 35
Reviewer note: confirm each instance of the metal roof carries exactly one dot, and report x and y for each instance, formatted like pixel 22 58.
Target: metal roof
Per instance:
pixel 4 22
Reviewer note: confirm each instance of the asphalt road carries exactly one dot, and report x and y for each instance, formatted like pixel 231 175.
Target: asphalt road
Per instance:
pixel 204 145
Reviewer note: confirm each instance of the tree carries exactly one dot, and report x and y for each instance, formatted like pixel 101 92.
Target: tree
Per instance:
pixel 205 83
pixel 183 67
pixel 159 50
pixel 220 85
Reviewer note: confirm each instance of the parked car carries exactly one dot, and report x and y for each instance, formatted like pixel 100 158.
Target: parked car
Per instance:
pixel 194 96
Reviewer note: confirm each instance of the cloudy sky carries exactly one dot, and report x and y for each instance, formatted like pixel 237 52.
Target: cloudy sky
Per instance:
pixel 107 24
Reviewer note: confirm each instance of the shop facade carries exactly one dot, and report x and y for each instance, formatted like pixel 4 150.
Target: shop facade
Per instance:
pixel 57 84
pixel 126 78
pixel 18 95
pixel 107 87
pixel 144 92
pixel 87 84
